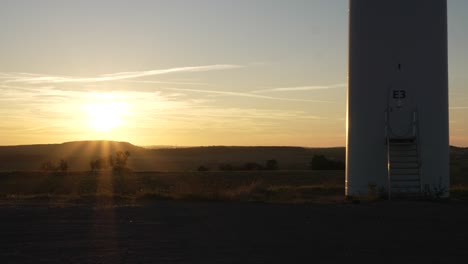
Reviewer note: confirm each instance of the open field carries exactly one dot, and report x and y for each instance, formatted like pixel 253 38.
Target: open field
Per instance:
pixel 267 186
pixel 278 186
pixel 172 173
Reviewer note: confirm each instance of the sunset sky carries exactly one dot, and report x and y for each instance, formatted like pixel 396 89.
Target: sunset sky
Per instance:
pixel 188 73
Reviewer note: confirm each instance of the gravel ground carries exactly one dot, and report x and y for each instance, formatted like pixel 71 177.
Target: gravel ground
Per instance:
pixel 222 232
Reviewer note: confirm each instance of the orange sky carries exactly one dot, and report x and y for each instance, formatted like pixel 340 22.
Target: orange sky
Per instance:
pixel 186 74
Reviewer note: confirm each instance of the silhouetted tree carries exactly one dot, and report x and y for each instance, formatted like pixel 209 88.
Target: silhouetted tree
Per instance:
pixel 226 167
pixel 202 168
pixel 63 166
pixel 271 164
pixel 99 164
pixel 93 165
pixel 47 166
pixel 320 162
pixel 118 161
pixel 252 166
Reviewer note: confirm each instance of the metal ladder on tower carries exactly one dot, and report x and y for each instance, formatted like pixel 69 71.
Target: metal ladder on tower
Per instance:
pixel 404 166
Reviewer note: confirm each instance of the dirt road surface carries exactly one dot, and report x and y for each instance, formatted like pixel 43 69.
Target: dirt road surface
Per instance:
pixel 222 232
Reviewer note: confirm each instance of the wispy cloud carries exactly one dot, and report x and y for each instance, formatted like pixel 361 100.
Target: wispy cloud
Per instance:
pixel 41 104
pixel 252 95
pixel 27 79
pixel 21 88
pixel 300 88
pixel 34 78
pixel 166 82
pixel 251 113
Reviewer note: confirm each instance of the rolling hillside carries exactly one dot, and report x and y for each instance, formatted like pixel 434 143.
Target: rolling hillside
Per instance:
pixel 78 154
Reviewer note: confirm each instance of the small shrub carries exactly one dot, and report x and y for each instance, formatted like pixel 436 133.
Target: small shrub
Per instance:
pixel 99 164
pixel 118 161
pixel 48 166
pixel 226 167
pixel 252 166
pixel 271 164
pixel 320 162
pixel 63 166
pixel 202 168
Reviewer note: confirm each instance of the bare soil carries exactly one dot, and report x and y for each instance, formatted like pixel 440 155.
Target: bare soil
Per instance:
pixel 223 232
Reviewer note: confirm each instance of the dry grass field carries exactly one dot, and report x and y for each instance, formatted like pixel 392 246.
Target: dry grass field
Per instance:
pixel 268 186
pixel 173 173
pixel 280 186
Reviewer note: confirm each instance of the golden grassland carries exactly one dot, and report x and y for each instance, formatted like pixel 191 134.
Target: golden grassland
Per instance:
pixel 172 174
pixel 280 186
pixel 265 186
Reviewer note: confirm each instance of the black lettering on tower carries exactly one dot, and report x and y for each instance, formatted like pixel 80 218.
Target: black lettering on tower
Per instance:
pixel 399 94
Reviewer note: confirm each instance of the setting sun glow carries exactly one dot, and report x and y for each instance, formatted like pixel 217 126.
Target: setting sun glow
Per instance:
pixel 162 73
pixel 105 116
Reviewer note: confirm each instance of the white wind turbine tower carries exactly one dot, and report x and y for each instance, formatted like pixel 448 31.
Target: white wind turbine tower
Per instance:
pixel 397 113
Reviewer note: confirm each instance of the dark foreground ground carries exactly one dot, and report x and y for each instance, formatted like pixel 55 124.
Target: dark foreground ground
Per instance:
pixel 217 232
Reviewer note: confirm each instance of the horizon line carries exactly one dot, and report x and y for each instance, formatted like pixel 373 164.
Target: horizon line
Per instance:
pixel 178 146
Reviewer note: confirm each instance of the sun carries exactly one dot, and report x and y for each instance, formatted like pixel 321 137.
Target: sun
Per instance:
pixel 105 116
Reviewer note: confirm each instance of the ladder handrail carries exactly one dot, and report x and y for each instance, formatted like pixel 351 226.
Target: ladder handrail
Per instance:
pixel 418 146
pixel 415 135
pixel 387 139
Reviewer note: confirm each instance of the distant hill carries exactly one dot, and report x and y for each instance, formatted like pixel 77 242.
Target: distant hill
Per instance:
pixel 65 149
pixel 78 154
